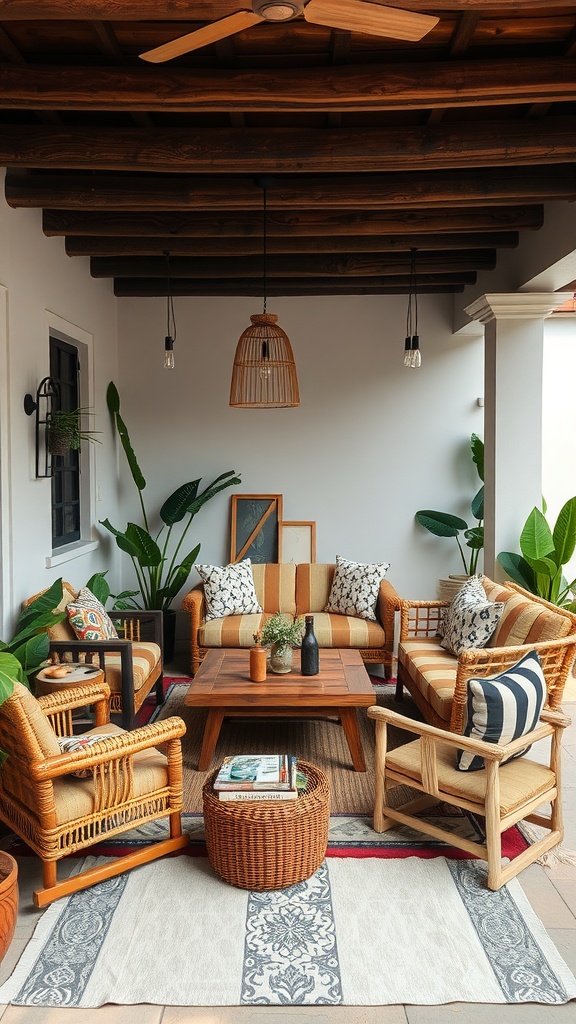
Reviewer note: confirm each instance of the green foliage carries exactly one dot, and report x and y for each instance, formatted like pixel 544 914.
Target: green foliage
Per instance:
pixel 23 655
pixel 282 631
pixel 443 524
pixel 545 552
pixel 159 576
pixel 65 427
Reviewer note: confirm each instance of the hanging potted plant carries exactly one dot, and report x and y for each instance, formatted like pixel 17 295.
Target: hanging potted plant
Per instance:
pixel 64 431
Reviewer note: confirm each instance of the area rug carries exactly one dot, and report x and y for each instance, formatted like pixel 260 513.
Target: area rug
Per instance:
pixel 359 932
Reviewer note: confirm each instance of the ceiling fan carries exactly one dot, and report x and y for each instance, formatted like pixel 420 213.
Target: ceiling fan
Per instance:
pixel 352 15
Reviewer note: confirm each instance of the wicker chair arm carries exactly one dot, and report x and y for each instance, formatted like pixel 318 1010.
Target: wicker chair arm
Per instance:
pixel 194 602
pixel 111 748
pixel 420 618
pixel 492 751
pixel 75 697
pixel 144 617
pixel 505 656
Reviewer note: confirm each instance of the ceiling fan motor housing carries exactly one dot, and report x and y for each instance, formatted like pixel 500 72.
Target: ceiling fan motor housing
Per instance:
pixel 278 10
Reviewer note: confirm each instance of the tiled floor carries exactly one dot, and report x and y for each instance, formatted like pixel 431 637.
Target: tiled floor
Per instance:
pixel 551 891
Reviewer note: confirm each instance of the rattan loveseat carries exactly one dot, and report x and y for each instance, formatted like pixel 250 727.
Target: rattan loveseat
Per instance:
pixel 296 590
pixel 436 679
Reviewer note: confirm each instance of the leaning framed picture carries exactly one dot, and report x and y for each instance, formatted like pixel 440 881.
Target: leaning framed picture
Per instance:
pixel 254 527
pixel 296 542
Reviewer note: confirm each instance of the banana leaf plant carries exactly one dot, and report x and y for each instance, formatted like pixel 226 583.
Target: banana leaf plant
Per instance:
pixel 23 655
pixel 545 552
pixel 161 570
pixel 444 524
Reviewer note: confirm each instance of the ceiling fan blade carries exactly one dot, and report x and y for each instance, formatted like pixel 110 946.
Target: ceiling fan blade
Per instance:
pixel 372 19
pixel 203 36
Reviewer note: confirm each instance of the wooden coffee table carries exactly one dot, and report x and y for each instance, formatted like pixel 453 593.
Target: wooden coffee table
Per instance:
pixel 222 684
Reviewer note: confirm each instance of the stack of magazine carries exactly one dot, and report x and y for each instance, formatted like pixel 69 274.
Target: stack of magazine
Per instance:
pixel 258 777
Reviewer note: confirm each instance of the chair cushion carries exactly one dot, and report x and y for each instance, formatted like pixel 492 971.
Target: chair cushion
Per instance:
pixel 74 797
pixel 40 736
pixel 501 708
pixel 471 618
pixel 89 619
pixel 274 584
pixel 524 621
pixel 313 585
pixel 520 780
pixel 145 660
pixel 433 672
pixel 69 744
pixel 229 589
pixel 355 588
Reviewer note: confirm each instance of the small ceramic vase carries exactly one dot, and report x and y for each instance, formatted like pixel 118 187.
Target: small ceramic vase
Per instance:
pixel 258 664
pixel 280 659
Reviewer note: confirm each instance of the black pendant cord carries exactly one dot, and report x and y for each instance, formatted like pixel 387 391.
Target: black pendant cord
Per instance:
pixel 170 318
pixel 264 248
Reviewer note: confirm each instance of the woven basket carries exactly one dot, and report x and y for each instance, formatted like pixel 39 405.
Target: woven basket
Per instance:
pixel 263 845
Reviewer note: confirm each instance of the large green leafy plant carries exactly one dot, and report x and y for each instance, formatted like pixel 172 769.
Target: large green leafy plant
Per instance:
pixel 545 552
pixel 444 524
pixel 160 568
pixel 23 655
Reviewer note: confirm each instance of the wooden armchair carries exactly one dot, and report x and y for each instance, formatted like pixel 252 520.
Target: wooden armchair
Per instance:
pixel 503 794
pixel 128 782
pixel 132 664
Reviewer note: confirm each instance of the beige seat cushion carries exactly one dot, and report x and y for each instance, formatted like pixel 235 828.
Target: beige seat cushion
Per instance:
pixel 234 630
pixel 42 738
pixel 433 672
pixel 74 798
pixel 145 659
pixel 333 630
pixel 520 780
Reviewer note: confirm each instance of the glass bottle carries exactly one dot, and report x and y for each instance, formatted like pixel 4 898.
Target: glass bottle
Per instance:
pixel 310 661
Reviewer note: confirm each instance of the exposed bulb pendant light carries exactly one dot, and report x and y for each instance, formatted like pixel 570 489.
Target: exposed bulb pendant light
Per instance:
pixel 412 356
pixel 264 372
pixel 170 321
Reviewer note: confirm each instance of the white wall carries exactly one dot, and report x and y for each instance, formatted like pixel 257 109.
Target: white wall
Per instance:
pixel 559 434
pixel 38 277
pixel 370 444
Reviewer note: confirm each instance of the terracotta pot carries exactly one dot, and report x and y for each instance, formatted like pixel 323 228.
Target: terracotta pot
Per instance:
pixel 8 900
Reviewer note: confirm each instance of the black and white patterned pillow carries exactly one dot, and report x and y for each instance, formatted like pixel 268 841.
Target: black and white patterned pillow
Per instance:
pixel 471 618
pixel 504 707
pixel 355 588
pixel 229 589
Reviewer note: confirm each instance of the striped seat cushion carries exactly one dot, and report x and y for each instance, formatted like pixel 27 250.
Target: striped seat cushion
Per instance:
pixel 503 707
pixel 234 630
pixel 523 621
pixel 145 660
pixel 275 586
pixel 333 630
pixel 432 670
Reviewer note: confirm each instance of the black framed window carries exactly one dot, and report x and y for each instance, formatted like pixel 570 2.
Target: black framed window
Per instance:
pixel 64 368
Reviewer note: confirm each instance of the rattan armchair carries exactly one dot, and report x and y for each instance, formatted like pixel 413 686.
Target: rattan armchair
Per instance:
pixel 127 782
pixel 502 794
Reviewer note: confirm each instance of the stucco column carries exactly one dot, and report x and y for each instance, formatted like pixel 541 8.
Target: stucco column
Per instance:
pixel 513 346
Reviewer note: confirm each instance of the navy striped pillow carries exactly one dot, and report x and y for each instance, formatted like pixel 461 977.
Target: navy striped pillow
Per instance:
pixel 504 707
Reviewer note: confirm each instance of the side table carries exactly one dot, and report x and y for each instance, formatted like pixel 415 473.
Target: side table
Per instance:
pixel 79 676
pixel 264 845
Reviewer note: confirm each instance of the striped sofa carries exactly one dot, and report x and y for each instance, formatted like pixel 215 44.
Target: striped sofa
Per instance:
pixel 296 590
pixel 436 679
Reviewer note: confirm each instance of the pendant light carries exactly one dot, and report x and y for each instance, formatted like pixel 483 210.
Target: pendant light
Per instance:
pixel 412 357
pixel 170 321
pixel 264 371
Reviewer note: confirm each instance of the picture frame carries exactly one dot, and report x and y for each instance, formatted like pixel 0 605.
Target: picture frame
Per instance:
pixel 254 527
pixel 297 541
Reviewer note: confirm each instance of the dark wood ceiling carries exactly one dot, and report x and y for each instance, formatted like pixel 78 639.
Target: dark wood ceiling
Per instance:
pixel 370 147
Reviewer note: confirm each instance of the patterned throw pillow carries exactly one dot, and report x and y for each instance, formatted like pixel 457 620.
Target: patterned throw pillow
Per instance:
pixel 471 618
pixel 68 744
pixel 89 619
pixel 503 708
pixel 355 588
pixel 229 589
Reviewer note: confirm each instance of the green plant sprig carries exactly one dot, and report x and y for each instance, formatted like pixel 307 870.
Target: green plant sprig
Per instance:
pixel 281 631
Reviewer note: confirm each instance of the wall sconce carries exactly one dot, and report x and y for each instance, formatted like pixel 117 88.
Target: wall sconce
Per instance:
pixel 47 394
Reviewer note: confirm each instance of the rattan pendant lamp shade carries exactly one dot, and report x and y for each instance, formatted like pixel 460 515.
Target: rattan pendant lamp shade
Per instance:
pixel 264 371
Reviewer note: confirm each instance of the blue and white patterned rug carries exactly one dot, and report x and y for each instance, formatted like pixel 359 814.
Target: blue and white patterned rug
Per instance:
pixel 446 939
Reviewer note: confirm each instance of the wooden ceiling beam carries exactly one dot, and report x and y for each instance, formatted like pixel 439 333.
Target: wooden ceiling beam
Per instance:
pixel 322 265
pixel 340 88
pixel 181 10
pixel 291 150
pixel 139 286
pixel 410 191
pixel 108 246
pixel 297 223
